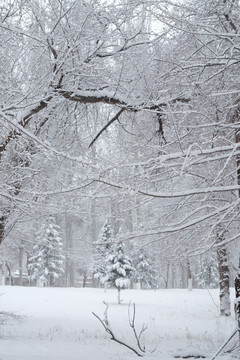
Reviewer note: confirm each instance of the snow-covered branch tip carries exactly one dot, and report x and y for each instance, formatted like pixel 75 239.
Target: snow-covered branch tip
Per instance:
pixel 105 323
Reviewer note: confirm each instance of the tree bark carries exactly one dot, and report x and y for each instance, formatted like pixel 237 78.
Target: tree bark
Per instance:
pixel 189 276
pixel 223 267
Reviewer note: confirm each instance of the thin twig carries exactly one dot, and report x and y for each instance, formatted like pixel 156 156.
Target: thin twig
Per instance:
pixel 113 337
pixel 132 324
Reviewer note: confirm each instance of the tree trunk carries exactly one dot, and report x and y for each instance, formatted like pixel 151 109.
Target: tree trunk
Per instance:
pixel 223 267
pixel 84 278
pixel 69 270
pixel 20 265
pixel 2 222
pixel 167 276
pixel 2 275
pixel 9 273
pixel 189 276
pixel 119 299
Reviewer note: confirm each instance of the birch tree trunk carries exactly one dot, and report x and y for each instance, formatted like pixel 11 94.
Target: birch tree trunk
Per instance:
pixel 223 267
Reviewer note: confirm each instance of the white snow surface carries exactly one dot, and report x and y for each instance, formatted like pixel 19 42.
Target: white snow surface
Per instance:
pixel 59 324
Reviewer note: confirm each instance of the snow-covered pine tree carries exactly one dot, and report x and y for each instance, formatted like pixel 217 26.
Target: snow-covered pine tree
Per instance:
pixel 119 269
pixel 102 250
pixel 47 260
pixel 208 276
pixel 144 271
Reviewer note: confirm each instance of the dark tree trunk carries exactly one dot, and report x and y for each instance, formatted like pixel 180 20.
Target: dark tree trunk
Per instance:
pixel 84 278
pixel 223 267
pixel 2 224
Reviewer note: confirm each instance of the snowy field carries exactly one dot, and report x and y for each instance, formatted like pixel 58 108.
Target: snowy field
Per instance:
pixel 59 324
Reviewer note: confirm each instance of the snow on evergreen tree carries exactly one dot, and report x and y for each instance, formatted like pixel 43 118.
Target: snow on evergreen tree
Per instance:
pixel 47 260
pixel 119 269
pixel 102 250
pixel 145 273
pixel 208 276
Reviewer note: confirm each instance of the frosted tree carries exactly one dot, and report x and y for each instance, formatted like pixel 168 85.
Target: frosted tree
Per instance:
pixel 183 96
pixel 119 269
pixel 144 271
pixel 47 260
pixel 208 276
pixel 102 250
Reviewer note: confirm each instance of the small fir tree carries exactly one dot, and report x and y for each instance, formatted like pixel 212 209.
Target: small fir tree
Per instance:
pixel 47 260
pixel 144 272
pixel 102 250
pixel 208 276
pixel 119 269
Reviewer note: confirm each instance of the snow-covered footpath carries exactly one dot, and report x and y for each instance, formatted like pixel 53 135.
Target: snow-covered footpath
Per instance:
pixel 59 324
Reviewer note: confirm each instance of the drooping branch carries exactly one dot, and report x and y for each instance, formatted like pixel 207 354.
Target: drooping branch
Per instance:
pixel 89 97
pixel 93 97
pixel 115 117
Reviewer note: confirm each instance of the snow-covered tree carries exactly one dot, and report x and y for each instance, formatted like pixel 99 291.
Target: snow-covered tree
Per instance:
pixel 119 269
pixel 102 250
pixel 47 260
pixel 175 99
pixel 145 273
pixel 208 276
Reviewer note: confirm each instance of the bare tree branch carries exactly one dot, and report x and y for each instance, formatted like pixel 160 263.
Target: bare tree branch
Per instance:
pixel 115 117
pixel 106 326
pixel 132 324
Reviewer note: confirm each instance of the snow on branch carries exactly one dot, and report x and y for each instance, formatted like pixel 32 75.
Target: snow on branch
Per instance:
pixel 197 191
pixel 42 104
pixel 183 225
pixel 105 97
pixel 37 140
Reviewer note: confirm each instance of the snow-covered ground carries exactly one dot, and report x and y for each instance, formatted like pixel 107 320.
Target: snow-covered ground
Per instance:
pixel 59 324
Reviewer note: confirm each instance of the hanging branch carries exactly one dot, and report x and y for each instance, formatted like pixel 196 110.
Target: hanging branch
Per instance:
pixel 106 126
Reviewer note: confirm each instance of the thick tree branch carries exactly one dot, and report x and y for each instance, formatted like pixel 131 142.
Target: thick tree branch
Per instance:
pixel 95 96
pixel 25 120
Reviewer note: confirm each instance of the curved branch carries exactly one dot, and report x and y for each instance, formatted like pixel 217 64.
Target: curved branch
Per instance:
pixel 97 96
pixel 92 97
pixel 113 337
